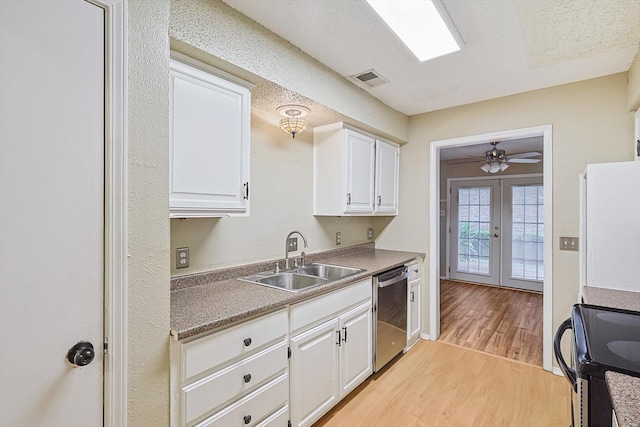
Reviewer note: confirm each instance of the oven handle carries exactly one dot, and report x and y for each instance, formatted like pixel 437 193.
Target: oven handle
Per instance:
pixel 569 373
pixel 394 279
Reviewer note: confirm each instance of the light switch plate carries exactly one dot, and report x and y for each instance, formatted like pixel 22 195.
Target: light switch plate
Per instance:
pixel 369 233
pixel 293 244
pixel 338 238
pixel 182 257
pixel 569 243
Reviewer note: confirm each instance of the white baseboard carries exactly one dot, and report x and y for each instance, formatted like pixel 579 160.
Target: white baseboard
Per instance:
pixel 425 337
pixel 557 371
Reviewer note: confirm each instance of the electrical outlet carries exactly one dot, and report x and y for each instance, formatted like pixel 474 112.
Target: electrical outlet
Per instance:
pixel 338 238
pixel 293 244
pixel 182 257
pixel 369 233
pixel 569 243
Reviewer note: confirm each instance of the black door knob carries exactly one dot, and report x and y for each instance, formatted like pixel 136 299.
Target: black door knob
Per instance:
pixel 81 354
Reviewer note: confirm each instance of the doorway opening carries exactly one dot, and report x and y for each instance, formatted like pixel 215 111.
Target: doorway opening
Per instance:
pixel 475 246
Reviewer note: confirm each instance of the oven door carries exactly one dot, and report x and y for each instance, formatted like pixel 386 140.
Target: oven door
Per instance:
pixel 578 385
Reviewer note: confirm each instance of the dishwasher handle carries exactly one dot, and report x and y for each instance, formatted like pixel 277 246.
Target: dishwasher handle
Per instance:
pixel 392 277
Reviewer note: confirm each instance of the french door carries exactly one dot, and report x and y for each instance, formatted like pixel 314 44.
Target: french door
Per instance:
pixel 497 229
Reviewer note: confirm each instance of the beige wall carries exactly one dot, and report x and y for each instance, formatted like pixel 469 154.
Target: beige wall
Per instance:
pixel 634 84
pixel 466 171
pixel 591 124
pixel 281 201
pixel 148 227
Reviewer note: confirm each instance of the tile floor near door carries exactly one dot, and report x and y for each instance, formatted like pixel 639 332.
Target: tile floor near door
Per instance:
pixel 500 321
pixel 439 384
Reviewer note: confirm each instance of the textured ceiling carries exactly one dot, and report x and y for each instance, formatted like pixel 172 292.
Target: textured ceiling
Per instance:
pixel 510 46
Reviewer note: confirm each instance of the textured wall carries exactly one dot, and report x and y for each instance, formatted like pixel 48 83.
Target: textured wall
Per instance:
pixel 215 28
pixel 634 84
pixel 281 201
pixel 148 296
pixel 591 124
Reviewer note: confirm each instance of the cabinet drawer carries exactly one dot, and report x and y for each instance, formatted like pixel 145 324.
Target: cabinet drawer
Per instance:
pixel 212 391
pixel 206 353
pixel 279 419
pixel 309 312
pixel 253 408
pixel 415 271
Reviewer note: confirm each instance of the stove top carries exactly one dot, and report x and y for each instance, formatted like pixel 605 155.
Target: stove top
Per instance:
pixel 607 339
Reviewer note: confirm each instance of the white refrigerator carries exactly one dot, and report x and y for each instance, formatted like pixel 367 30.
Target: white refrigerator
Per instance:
pixel 610 226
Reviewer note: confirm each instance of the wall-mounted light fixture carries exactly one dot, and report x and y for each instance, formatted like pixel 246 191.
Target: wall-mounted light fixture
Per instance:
pixel 293 122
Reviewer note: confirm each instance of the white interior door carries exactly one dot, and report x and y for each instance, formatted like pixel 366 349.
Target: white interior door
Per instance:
pixel 51 211
pixel 475 231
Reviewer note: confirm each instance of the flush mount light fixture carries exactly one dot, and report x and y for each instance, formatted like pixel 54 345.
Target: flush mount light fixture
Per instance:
pixel 422 25
pixel 293 123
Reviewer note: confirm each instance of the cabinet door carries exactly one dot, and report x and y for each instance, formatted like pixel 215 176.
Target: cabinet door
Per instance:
pixel 413 328
pixel 314 373
pixel 209 144
pixel 356 348
pixel 358 172
pixel 387 167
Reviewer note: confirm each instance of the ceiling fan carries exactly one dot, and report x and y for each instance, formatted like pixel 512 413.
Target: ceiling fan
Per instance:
pixel 496 160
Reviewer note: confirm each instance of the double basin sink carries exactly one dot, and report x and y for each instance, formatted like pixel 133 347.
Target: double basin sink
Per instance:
pixel 301 278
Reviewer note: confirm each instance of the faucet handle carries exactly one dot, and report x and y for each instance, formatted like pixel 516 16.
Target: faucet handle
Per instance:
pixel 303 258
pixel 295 262
pixel 277 267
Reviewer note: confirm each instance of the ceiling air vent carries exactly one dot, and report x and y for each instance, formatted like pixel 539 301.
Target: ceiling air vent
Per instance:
pixel 370 78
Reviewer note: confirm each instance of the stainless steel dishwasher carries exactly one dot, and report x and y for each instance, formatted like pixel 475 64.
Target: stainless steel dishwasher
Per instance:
pixel 389 315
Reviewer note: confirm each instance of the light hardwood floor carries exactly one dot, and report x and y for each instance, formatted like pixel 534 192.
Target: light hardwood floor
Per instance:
pixel 500 321
pixel 439 384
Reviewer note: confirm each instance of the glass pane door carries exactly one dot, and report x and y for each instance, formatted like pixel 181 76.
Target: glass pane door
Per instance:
pixel 474 223
pixel 523 255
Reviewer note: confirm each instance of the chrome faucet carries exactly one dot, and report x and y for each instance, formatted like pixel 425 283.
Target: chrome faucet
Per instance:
pixel 286 248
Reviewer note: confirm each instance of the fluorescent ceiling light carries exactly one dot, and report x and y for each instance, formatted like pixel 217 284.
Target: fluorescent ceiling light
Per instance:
pixel 419 25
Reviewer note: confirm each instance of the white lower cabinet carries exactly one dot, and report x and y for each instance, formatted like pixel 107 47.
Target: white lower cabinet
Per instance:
pixel 236 377
pixel 331 355
pixel 413 303
pixel 252 374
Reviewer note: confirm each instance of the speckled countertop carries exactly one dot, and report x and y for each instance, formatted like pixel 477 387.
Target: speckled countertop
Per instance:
pixel 624 389
pixel 206 301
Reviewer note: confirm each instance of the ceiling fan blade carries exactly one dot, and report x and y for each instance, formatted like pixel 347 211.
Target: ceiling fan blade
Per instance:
pixel 511 160
pixel 525 155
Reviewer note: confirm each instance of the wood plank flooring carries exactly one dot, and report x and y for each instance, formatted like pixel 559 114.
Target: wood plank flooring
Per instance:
pixel 439 384
pixel 500 321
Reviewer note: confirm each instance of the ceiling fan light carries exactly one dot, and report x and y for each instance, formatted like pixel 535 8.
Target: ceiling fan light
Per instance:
pixel 503 166
pixel 485 167
pixel 495 168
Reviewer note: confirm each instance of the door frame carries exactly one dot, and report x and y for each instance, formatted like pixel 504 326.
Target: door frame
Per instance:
pixel 115 216
pixel 546 131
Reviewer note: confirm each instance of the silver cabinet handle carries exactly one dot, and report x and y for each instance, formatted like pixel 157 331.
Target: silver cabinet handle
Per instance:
pixel 412 297
pixel 379 200
pixel 348 198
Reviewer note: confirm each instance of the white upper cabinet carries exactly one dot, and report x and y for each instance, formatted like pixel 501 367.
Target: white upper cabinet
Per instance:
pixel 353 172
pixel 387 168
pixel 209 143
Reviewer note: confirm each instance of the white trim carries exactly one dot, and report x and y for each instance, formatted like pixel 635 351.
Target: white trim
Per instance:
pixel 115 270
pixel 434 230
pixel 557 371
pixel 424 336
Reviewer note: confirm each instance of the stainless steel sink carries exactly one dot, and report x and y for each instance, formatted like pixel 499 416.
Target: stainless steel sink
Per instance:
pixel 302 277
pixel 291 281
pixel 329 272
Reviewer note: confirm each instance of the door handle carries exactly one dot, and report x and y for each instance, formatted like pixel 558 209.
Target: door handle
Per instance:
pixel 495 235
pixel 344 329
pixel 81 354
